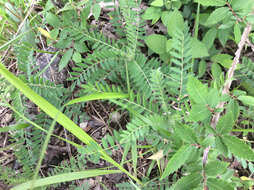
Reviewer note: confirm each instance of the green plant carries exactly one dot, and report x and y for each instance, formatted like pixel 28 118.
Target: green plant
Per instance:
pixel 183 106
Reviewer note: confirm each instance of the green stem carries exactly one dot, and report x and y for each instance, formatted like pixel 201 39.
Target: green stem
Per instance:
pixel 127 77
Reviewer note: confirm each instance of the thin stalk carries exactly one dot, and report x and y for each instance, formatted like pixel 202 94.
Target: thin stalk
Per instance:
pixel 43 151
pixel 127 77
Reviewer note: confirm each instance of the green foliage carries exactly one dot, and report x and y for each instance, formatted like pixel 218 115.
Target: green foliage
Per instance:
pixel 170 93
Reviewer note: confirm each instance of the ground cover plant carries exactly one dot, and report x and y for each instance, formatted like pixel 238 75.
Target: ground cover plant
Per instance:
pixel 127 94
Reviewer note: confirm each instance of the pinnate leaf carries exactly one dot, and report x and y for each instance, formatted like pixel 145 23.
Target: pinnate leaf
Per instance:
pixel 65 59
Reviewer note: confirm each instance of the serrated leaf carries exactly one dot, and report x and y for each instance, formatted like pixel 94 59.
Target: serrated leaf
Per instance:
pixel 198 49
pixel 186 134
pixel 217 184
pixel 157 43
pixel 157 3
pixel 177 160
pixel 215 168
pixel 217 15
pixel 96 11
pixel 65 59
pixel 220 145
pixel 211 2
pixel 199 112
pixel 225 123
pixel 197 91
pixel 247 100
pixel 188 182
pixel 237 33
pixel 214 97
pixel 239 148
pixel 234 107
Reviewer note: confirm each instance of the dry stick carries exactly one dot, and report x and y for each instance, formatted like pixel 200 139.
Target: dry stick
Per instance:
pixel 225 90
pixel 230 73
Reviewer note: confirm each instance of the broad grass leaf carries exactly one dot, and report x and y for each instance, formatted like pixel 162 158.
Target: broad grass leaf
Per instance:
pixel 65 59
pixel 218 184
pixel 238 148
pixel 157 43
pixel 177 160
pixel 211 2
pixel 63 178
pixel 217 15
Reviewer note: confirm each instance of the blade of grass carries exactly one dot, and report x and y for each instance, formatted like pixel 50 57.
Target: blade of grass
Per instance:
pixel 62 119
pixel 64 178
pixel 43 151
pixel 39 127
